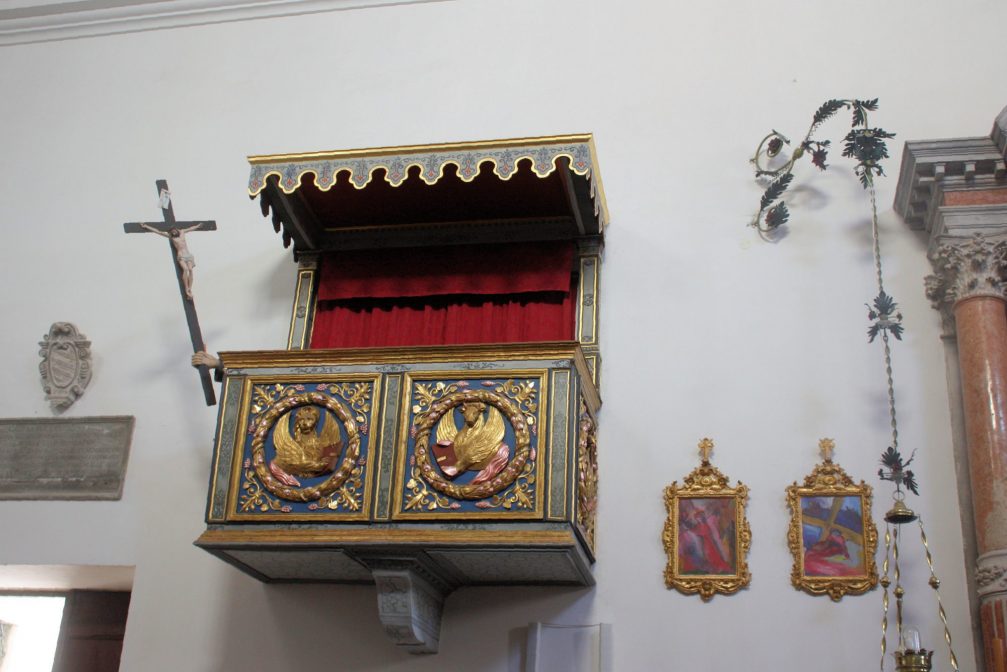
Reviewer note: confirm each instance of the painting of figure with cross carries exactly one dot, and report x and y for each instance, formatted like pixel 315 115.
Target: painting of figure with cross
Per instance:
pixel 832 530
pixel 832 536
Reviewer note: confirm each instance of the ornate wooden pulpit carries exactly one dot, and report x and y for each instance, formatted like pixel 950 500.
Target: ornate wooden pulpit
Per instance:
pixel 432 423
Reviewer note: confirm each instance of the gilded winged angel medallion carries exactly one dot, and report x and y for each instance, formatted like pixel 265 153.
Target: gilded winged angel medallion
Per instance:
pixel 476 446
pixel 310 451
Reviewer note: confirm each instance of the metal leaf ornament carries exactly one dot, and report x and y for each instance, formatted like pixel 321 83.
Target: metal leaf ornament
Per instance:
pixel 863 143
pixel 884 317
pixel 867 146
pixel 898 473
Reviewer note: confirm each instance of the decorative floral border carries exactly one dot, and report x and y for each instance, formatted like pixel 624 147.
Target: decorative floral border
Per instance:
pixel 544 158
pixel 513 489
pixel 587 475
pixel 343 490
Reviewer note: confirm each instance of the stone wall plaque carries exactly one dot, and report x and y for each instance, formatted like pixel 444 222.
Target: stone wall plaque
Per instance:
pixel 64 458
pixel 66 365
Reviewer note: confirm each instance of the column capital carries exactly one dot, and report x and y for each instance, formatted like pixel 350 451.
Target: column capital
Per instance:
pixel 991 574
pixel 966 268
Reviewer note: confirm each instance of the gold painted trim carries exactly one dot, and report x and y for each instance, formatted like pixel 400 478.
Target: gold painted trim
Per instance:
pixel 216 459
pixel 313 309
pixel 599 188
pixel 375 437
pixel 380 449
pixel 593 338
pixel 706 482
pixel 402 447
pixel 585 487
pixel 828 479
pixel 592 362
pixel 551 415
pixel 400 466
pixel 293 311
pixel 594 173
pixel 580 302
pixel 544 350
pixel 374 434
pixel 421 149
pixel 403 535
pixel 234 485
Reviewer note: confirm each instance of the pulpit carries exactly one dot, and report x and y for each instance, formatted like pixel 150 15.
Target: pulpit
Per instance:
pixel 432 423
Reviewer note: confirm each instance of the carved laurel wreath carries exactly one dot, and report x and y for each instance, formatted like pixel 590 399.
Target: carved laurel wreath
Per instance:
pixel 447 404
pixel 265 424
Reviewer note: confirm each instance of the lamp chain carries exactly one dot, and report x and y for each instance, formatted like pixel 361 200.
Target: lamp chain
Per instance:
pixel 899 590
pixel 935 583
pixel 884 332
pixel 885 582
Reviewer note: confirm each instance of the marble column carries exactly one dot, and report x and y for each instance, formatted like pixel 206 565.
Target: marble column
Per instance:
pixel 969 282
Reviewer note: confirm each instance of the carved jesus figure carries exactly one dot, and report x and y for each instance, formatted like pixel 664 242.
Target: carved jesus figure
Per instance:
pixel 186 262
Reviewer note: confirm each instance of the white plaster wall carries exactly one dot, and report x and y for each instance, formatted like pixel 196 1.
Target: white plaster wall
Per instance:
pixel 707 330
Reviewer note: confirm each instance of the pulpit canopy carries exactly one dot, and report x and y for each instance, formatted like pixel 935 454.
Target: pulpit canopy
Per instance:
pixel 432 422
pixel 530 189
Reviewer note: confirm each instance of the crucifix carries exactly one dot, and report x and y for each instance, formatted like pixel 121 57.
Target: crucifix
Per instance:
pixel 183 262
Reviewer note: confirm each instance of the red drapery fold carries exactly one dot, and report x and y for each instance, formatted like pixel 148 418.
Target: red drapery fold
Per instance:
pixel 457 270
pixel 462 294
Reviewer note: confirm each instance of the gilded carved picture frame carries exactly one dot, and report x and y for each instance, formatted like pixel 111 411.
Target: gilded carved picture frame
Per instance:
pixel 706 535
pixel 832 535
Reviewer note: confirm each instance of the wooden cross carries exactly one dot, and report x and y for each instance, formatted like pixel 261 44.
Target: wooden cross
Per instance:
pixel 826 447
pixel 706 450
pixel 183 262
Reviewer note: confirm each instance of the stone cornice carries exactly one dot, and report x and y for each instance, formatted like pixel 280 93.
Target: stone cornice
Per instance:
pixel 999 134
pixel 932 169
pixel 40 21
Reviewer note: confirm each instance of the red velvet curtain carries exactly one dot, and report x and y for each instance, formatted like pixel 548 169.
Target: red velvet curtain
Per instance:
pixel 450 295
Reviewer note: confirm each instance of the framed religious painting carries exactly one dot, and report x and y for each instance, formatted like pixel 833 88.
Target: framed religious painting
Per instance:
pixel 832 535
pixel 706 535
